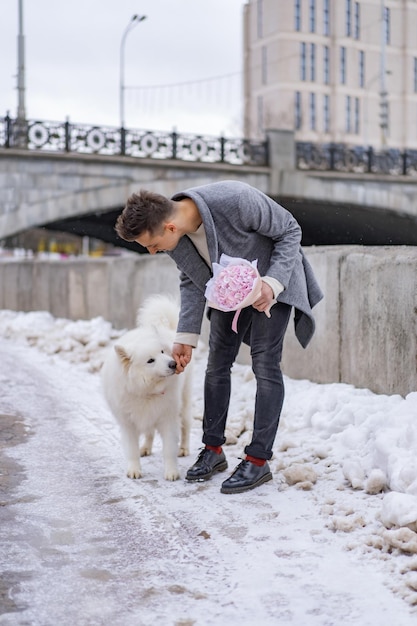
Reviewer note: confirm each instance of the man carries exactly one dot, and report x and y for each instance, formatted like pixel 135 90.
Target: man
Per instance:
pixel 195 228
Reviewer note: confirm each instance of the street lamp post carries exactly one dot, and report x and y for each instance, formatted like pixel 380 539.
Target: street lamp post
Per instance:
pixel 21 111
pixel 372 81
pixel 20 133
pixel 383 103
pixel 133 22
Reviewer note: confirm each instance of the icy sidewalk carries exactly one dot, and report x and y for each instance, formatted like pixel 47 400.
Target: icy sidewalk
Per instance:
pixel 83 545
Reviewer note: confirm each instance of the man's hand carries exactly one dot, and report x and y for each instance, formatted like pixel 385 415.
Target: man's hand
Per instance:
pixel 182 355
pixel 265 300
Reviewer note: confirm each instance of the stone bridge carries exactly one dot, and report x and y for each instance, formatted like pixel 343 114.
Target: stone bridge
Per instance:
pixel 84 191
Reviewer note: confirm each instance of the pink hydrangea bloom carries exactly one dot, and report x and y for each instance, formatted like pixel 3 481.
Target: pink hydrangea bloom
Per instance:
pixel 232 285
pixel 235 284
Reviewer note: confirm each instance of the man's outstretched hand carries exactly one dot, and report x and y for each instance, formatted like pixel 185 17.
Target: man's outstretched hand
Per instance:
pixel 182 355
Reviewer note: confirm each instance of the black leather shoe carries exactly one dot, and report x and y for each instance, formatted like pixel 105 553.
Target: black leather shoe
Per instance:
pixel 246 476
pixel 208 462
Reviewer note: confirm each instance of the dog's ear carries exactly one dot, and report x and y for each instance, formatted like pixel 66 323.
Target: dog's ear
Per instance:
pixel 123 356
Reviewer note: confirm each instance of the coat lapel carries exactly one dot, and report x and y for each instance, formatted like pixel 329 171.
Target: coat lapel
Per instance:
pixel 211 235
pixel 191 263
pixel 186 255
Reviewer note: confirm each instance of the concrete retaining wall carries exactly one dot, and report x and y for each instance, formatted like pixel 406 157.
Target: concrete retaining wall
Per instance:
pixel 83 288
pixel 366 325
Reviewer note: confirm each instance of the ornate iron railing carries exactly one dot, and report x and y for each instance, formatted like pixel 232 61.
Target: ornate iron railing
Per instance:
pixel 355 159
pixel 105 140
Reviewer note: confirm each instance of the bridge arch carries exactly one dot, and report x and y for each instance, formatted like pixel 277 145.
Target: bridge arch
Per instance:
pixel 83 193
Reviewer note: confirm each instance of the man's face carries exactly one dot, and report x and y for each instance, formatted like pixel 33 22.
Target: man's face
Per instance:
pixel 165 239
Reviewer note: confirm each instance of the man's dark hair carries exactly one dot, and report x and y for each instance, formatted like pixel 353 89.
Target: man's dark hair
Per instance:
pixel 145 211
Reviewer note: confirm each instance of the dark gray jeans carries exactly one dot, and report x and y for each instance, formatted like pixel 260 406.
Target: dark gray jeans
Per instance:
pixel 265 337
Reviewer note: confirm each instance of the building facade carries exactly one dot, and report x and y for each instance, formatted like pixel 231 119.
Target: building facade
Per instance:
pixel 332 70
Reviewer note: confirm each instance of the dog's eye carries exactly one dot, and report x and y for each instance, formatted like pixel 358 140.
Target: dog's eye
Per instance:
pixel 150 361
pixel 162 352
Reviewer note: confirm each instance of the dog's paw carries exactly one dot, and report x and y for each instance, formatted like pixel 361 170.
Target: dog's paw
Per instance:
pixel 183 451
pixel 134 471
pixel 172 474
pixel 146 447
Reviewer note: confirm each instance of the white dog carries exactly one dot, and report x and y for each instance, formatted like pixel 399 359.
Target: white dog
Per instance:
pixel 143 391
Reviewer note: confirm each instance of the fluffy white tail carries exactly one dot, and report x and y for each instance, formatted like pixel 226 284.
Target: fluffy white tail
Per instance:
pixel 159 310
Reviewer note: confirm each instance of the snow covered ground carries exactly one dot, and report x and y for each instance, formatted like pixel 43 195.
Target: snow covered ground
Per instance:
pixel 331 540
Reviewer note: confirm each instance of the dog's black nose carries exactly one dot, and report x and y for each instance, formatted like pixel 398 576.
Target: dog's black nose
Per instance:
pixel 172 365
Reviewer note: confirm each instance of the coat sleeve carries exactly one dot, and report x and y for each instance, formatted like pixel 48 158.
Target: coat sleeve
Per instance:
pixel 193 304
pixel 262 215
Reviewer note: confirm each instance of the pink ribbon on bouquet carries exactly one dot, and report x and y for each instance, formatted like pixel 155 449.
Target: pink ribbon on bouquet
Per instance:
pixel 236 283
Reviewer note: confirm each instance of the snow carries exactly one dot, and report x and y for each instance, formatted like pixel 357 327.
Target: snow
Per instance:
pixel 331 540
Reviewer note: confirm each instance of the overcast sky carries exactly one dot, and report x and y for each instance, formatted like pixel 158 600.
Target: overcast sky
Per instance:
pixel 72 60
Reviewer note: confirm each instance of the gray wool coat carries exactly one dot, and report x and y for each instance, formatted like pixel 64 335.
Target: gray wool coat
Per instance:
pixel 241 221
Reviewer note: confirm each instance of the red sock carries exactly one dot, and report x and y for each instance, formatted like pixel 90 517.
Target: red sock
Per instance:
pixel 255 460
pixel 216 449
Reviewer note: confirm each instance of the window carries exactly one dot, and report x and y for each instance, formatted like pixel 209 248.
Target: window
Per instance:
pixel 347 114
pixel 387 25
pixel 357 31
pixel 303 65
pixel 361 68
pixel 415 74
pixel 312 16
pixel 326 65
pixel 357 116
pixel 297 14
pixel 343 65
pixel 312 62
pixel 264 65
pixel 259 18
pixel 260 106
pixel 312 111
pixel 326 114
pixel 297 112
pixel 326 17
pixel 348 18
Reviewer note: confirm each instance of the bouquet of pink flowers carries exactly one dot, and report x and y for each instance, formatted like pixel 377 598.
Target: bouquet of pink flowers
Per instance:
pixel 236 283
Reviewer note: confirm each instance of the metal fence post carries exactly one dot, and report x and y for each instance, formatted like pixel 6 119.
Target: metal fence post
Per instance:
pixel 8 130
pixel 332 151
pixel 122 141
pixel 174 144
pixel 67 131
pixel 222 152
pixel 404 157
pixel 369 155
